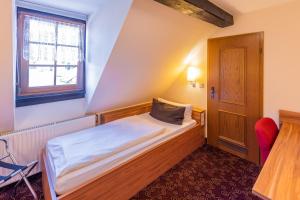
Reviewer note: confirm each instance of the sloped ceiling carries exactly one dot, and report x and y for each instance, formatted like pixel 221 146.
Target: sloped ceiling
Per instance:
pixel 103 27
pixel 148 55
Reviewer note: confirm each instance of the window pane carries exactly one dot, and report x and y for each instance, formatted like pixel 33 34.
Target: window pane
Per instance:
pixel 67 55
pixel 41 54
pixel 66 75
pixel 68 35
pixel 41 76
pixel 42 31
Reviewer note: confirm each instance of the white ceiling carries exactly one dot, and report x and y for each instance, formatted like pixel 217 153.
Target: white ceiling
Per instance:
pixel 245 6
pixel 80 6
pixel 235 7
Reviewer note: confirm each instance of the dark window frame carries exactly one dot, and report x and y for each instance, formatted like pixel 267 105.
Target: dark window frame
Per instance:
pixel 63 93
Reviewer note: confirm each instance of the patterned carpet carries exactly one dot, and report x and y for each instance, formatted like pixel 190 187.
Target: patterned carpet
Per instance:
pixel 206 174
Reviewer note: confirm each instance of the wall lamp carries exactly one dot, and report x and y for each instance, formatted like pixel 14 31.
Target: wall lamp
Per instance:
pixel 193 74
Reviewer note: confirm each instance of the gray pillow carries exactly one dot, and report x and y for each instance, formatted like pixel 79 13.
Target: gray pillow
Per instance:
pixel 167 113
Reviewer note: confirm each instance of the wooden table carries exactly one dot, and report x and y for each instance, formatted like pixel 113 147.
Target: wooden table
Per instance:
pixel 279 178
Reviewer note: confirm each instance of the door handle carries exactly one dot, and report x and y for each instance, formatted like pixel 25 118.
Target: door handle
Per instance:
pixel 212 92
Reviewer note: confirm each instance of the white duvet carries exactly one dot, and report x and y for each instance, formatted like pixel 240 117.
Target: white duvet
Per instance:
pixel 77 150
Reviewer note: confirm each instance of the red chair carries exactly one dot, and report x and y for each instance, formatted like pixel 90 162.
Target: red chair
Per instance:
pixel 266 133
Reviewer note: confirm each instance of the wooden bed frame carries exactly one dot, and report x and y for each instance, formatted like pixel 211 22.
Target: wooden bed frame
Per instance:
pixel 126 180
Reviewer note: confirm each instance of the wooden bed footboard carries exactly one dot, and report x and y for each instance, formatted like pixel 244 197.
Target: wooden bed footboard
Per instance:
pixel 126 180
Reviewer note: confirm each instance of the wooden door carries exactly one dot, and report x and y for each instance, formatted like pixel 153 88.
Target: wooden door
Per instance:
pixel 235 93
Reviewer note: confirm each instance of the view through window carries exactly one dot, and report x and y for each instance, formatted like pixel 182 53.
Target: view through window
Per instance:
pixel 51 54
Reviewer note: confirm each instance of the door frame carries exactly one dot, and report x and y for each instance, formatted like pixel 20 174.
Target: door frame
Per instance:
pixel 261 71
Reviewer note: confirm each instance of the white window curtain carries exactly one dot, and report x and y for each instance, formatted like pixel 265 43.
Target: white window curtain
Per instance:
pixel 46 39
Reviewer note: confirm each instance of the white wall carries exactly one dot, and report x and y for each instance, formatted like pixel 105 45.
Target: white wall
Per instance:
pixel 281 53
pixel 103 29
pixel 41 114
pixel 181 90
pixel 281 58
pixel 7 65
pixel 148 55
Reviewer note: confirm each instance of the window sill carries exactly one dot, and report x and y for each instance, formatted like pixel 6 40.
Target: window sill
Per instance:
pixel 22 101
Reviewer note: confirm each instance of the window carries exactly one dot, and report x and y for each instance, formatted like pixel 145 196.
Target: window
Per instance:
pixel 51 54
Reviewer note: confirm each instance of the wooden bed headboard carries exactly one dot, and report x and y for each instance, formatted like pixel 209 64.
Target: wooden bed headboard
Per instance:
pixel 289 116
pixel 108 116
pixel 111 115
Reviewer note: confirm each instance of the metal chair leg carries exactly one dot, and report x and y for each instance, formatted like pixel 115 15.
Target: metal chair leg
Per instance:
pixel 30 188
pixel 24 176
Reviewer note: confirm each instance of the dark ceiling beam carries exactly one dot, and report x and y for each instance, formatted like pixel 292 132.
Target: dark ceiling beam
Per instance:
pixel 201 9
pixel 214 10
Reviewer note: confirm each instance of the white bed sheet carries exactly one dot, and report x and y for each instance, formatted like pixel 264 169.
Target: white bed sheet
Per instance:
pixel 69 181
pixel 77 150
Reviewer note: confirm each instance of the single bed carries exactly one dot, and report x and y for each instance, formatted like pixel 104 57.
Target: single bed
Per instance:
pixel 119 169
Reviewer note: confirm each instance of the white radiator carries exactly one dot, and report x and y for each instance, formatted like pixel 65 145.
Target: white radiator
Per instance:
pixel 27 145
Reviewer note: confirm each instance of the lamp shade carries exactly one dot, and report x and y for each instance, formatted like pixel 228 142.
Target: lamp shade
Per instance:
pixel 193 73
